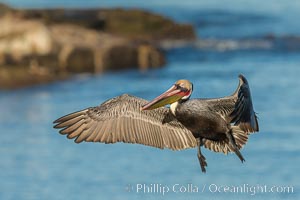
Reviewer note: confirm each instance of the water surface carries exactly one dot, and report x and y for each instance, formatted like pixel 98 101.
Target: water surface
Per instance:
pixel 38 163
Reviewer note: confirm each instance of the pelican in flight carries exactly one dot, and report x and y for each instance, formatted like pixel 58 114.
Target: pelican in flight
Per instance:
pixel 219 124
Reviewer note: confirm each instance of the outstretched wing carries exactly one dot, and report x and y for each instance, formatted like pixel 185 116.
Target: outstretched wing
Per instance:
pixel 236 109
pixel 121 120
pixel 243 114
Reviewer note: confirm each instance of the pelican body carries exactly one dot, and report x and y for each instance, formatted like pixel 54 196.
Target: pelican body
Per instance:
pixel 219 124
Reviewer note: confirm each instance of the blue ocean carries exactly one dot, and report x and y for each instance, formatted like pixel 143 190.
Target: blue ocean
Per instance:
pixel 254 38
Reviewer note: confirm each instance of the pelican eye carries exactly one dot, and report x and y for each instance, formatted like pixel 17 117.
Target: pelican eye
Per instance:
pixel 181 88
pixel 184 89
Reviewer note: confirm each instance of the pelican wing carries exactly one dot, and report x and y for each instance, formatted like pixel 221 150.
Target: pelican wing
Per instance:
pixel 120 120
pixel 236 109
pixel 239 136
pixel 243 114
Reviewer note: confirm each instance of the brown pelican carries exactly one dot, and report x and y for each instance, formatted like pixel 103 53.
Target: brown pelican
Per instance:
pixel 219 124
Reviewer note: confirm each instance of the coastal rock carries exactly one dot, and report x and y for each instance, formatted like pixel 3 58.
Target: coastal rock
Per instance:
pixel 149 56
pixel 70 48
pixel 31 52
pixel 129 23
pixel 119 55
pixel 80 60
pixel 4 9
pixel 51 43
pixel 138 24
pixel 76 47
pixel 86 50
pixel 21 38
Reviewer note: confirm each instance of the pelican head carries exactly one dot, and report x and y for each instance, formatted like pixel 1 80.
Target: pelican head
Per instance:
pixel 181 90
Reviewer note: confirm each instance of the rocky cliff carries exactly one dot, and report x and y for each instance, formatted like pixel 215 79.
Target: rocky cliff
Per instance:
pixel 45 45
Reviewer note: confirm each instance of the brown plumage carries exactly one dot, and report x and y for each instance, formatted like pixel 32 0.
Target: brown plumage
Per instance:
pixel 220 124
pixel 121 120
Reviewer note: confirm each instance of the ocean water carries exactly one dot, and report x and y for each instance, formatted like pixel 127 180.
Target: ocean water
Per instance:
pixel 38 163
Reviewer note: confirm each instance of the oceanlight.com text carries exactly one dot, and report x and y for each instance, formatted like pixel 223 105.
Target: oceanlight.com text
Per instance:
pixel 163 189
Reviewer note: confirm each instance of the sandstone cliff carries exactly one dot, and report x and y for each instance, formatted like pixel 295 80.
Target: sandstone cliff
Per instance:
pixel 44 45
